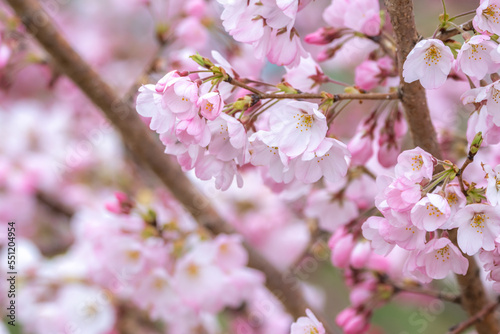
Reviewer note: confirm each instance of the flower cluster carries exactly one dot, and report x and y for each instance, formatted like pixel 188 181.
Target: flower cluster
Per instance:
pixel 347 20
pixel 191 118
pixel 150 260
pixel 267 26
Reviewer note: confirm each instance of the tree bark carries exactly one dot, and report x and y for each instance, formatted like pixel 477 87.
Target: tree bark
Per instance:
pixel 414 102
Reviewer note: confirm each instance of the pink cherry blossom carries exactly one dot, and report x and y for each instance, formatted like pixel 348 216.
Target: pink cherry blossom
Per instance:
pixel 345 13
pixel 296 127
pixel 181 98
pixel 321 205
pixel 324 35
pixel 431 212
pixel 149 104
pixel 490 94
pixel 302 76
pixel 361 146
pixel 440 257
pixel 492 190
pixel 211 105
pixel 478 226
pixel 229 139
pixel 306 325
pixel 278 163
pixel 430 62
pixel 329 159
pixel 193 131
pixel 352 322
pixel 415 164
pixel 487 17
pixel 371 231
pixel 474 58
pixel 341 243
pixel 402 194
pixel 482 121
pixel 208 166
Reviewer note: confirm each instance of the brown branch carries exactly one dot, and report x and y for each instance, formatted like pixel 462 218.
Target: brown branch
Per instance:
pixel 145 147
pixel 413 96
pixel 426 292
pixel 336 97
pixel 54 204
pixel 487 310
pixel 423 134
pixel 312 96
pixel 447 34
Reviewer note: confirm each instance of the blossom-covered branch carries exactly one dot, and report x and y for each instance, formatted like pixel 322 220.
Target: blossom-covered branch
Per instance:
pixel 424 135
pixel 142 144
pixel 319 96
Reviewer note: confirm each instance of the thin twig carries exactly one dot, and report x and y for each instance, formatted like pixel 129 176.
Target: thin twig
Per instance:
pixel 427 292
pixel 336 97
pixel 467 162
pixel 447 34
pixel 475 318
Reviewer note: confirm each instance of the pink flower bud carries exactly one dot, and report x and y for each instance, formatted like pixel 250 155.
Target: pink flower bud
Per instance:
pixel 361 148
pixel 341 251
pixel 360 295
pixel 360 254
pixel 345 316
pixel 324 35
pixel 357 325
pixel 388 152
pixel 123 204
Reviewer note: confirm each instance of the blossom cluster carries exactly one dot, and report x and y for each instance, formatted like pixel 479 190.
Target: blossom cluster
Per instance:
pixel 198 126
pixel 150 260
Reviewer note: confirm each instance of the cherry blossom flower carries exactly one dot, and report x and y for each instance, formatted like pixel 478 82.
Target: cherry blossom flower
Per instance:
pixel 352 322
pixel 229 139
pixel 330 159
pixel 193 131
pixel 487 17
pixel 181 98
pixel 211 105
pixel 430 62
pixel 263 155
pixel 440 257
pixel 303 76
pixel 371 231
pixel 306 325
pixel 478 226
pixel 431 212
pixel 149 104
pixel 208 166
pixel 321 205
pixel 493 188
pixel 402 194
pixel 482 121
pixel 490 94
pixel 359 15
pixel 296 127
pixel 474 58
pixel 415 164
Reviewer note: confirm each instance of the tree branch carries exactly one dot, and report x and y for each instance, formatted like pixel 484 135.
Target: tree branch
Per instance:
pixel 413 96
pixel 488 309
pixel 414 101
pixel 312 96
pixel 140 141
pixel 447 34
